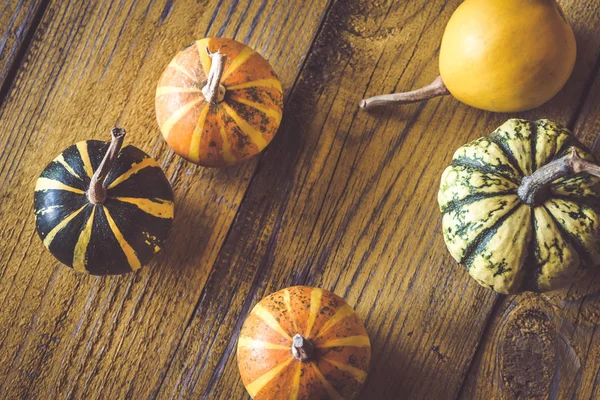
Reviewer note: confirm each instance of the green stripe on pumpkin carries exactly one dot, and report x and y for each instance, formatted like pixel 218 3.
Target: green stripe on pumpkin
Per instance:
pixel 453 205
pixel 533 144
pixel 499 259
pixel 513 137
pixel 476 245
pixel 463 225
pixel 458 183
pixel 573 238
pixel 476 165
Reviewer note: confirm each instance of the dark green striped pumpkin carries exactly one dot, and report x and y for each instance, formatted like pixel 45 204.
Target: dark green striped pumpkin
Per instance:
pixel 511 234
pixel 119 234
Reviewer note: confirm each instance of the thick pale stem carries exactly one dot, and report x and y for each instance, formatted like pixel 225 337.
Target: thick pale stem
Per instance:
pixel 97 192
pixel 434 89
pixel 534 186
pixel 302 348
pixel 213 91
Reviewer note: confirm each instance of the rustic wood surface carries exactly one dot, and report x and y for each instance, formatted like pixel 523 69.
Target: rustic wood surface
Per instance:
pixel 342 199
pixel 18 20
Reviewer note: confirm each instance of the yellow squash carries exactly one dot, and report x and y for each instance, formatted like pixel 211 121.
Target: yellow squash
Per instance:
pixel 500 55
pixel 507 55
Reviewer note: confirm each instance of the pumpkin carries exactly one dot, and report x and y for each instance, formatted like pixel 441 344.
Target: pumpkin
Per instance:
pixel 500 55
pixel 303 343
pixel 521 207
pixel 218 102
pixel 102 210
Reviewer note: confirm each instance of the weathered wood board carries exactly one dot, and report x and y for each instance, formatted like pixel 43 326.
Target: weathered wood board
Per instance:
pixel 424 315
pixel 67 335
pixel 18 23
pixel 342 199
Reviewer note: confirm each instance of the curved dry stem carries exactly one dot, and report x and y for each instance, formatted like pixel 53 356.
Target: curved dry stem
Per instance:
pixel 434 89
pixel 213 91
pixel 97 192
pixel 535 185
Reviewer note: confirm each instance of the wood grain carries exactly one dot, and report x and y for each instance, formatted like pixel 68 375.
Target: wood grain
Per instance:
pixel 342 214
pixel 18 22
pixel 64 335
pixel 342 199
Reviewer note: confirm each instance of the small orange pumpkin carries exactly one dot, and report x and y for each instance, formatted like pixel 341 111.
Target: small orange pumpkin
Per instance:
pixel 303 343
pixel 218 102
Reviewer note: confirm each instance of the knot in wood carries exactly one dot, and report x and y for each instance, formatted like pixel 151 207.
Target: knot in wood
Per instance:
pixel 528 353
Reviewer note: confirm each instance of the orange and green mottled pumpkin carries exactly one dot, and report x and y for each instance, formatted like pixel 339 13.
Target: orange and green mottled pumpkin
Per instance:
pixel 230 128
pixel 303 343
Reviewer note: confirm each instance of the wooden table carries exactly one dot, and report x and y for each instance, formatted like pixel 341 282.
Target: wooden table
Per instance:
pixel 342 199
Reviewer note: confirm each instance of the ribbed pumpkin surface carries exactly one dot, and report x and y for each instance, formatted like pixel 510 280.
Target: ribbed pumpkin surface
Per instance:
pixel 229 132
pixel 116 237
pixel 504 243
pixel 338 368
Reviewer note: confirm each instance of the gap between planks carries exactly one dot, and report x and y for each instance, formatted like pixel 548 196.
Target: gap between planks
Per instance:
pixel 16 62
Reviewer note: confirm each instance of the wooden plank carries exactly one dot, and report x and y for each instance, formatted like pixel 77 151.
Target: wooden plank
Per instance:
pixel 540 347
pixel 519 354
pixel 67 335
pixel 572 360
pixel 18 20
pixel 347 201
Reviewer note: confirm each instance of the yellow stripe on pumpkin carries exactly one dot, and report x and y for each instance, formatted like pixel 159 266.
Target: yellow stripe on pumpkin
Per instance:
pixel 162 90
pixel 254 135
pixel 270 320
pixel 205 59
pixel 227 154
pixel 82 147
pixel 296 382
pixel 249 343
pixel 60 226
pixel 242 57
pixel 156 207
pixel 266 83
pixel 287 299
pixel 350 341
pixel 343 312
pixel 82 244
pixel 330 389
pixel 132 258
pixel 194 153
pixel 134 169
pixel 177 115
pixel 358 374
pixel 315 305
pixel 51 184
pixel 276 115
pixel 173 64
pixel 61 160
pixel 267 377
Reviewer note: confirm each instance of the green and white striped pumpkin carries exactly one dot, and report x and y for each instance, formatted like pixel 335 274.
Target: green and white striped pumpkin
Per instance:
pixel 491 225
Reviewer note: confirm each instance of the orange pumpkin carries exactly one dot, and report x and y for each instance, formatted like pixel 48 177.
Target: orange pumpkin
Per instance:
pixel 218 102
pixel 303 343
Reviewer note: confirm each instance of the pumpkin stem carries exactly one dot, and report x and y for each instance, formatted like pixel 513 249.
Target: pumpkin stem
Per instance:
pixel 97 192
pixel 214 91
pixel 534 186
pixel 302 348
pixel 434 89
